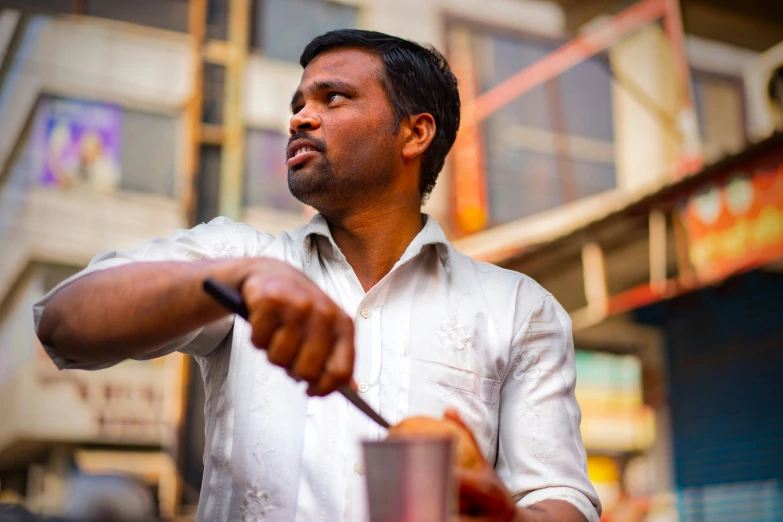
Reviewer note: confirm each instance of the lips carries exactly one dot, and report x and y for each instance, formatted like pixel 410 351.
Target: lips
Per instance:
pixel 301 146
pixel 303 150
pixel 299 151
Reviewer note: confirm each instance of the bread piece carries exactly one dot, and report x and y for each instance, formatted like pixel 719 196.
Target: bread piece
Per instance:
pixel 466 454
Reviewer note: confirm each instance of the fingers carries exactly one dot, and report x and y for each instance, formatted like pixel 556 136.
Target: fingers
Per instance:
pixel 265 320
pixel 302 330
pixel 339 366
pixel 453 415
pixel 481 494
pixel 286 323
pixel 325 385
pixel 284 346
pixel 316 346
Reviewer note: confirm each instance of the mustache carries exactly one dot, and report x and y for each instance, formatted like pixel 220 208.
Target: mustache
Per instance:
pixel 320 145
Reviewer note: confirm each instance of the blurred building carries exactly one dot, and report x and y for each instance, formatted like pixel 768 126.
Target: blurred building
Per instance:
pixel 125 120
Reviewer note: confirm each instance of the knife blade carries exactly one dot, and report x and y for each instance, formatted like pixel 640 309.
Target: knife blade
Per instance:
pixel 232 300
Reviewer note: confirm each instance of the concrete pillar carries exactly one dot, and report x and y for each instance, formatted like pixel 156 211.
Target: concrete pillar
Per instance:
pixel 645 143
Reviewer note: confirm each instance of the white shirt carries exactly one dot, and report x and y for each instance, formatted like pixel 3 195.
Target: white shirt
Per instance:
pixel 439 330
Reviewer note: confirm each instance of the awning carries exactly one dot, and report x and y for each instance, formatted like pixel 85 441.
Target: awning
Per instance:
pixel 725 219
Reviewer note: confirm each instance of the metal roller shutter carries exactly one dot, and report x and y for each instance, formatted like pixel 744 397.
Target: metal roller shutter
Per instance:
pixel 725 350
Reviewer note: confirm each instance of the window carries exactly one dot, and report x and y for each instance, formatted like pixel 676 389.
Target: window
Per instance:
pixel 163 14
pixel 217 19
pixel 149 145
pixel 208 183
pixel 552 145
pixel 282 28
pixel 266 174
pixel 45 6
pixel 720 109
pixel 214 84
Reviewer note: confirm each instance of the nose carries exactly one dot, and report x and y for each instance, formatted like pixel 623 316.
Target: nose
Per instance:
pixel 305 119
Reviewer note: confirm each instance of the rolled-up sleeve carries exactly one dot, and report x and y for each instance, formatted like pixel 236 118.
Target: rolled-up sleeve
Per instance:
pixel 221 238
pixel 540 451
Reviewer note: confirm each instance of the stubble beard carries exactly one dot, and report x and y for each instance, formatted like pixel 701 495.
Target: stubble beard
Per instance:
pixel 323 189
pixel 311 187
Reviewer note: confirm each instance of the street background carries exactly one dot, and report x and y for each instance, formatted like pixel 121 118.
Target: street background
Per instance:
pixel 626 155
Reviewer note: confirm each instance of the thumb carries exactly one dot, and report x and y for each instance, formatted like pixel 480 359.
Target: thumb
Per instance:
pixel 453 415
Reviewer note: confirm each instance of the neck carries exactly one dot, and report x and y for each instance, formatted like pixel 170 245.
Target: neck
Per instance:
pixel 374 239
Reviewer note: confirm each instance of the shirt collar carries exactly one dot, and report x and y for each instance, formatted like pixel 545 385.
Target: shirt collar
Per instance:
pixel 317 227
pixel 431 234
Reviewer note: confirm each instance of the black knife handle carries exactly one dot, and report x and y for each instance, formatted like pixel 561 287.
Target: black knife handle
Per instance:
pixel 226 296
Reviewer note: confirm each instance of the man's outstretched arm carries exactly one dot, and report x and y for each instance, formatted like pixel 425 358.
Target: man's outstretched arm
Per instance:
pixel 149 301
pixel 127 311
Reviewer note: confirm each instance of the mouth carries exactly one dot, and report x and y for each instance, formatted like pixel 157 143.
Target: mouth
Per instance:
pixel 299 152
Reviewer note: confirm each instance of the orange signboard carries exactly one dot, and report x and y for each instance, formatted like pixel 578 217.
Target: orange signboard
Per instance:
pixel 736 222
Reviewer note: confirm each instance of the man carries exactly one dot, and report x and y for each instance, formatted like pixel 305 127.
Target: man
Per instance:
pixel 373 119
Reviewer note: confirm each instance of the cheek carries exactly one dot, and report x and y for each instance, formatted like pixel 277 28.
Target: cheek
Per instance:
pixel 356 138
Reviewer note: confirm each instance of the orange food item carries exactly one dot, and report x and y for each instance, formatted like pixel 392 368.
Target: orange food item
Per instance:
pixel 466 454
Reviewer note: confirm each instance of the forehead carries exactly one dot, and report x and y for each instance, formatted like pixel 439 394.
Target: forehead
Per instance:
pixel 357 66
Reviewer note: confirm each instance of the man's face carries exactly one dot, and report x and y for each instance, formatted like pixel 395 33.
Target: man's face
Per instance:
pixel 343 147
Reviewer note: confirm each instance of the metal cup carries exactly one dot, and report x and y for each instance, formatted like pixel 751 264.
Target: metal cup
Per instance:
pixel 409 479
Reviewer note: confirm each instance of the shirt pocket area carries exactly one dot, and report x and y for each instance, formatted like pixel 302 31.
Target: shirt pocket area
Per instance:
pixel 455 381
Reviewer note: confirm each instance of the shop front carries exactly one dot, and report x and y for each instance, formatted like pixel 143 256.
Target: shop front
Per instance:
pixel 676 302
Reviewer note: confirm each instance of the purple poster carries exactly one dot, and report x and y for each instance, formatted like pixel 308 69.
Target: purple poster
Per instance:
pixel 78 144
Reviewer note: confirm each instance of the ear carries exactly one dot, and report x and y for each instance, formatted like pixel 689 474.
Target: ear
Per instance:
pixel 419 135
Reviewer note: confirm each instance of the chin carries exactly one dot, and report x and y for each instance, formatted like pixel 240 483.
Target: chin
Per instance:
pixel 311 186
pixel 308 191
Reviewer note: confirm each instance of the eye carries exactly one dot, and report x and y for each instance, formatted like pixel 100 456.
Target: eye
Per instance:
pixel 332 96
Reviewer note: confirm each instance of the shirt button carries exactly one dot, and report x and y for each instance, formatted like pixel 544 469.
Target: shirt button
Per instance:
pixel 363 387
pixel 358 468
pixel 366 313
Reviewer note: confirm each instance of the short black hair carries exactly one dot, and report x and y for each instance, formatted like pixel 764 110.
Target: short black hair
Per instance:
pixel 417 79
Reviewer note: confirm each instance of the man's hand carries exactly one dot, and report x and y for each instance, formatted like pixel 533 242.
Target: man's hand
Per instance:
pixel 484 498
pixel 299 326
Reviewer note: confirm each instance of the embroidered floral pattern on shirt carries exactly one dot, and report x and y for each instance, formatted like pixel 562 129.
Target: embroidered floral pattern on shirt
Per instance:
pixel 523 363
pixel 195 256
pixel 258 443
pixel 456 335
pixel 545 458
pixel 222 250
pixel 256 505
pixel 524 368
pixel 263 381
pixel 525 410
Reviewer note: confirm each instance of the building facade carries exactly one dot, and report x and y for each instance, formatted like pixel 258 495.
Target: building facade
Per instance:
pixel 122 123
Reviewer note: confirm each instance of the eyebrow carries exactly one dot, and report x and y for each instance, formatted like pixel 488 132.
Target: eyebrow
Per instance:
pixel 322 85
